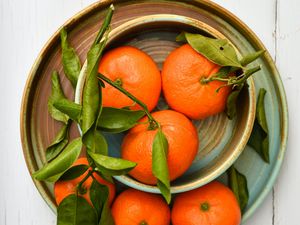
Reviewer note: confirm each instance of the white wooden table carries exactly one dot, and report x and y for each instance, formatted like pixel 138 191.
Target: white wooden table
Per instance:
pixel 26 25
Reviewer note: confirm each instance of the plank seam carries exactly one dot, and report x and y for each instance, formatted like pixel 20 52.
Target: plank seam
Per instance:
pixel 275 59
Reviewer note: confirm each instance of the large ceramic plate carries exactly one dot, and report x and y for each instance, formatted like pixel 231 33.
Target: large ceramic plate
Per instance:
pixel 38 129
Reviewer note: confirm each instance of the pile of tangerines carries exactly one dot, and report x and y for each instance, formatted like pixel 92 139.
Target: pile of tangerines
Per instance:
pixel 188 98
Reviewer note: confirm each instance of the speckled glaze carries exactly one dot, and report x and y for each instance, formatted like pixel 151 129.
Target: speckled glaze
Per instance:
pixel 38 129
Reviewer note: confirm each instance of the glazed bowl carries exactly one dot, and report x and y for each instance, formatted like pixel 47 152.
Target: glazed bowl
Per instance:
pixel 221 140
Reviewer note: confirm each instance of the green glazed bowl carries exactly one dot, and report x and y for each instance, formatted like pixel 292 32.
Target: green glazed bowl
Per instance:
pixel 221 140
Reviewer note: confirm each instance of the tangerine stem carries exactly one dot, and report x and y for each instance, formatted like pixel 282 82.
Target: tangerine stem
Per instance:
pixel 118 82
pixel 153 124
pixel 205 80
pixel 79 186
pixel 205 206
pixel 233 80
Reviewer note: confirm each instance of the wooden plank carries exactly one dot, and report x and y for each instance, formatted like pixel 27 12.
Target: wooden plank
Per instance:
pixel 25 27
pixel 288 46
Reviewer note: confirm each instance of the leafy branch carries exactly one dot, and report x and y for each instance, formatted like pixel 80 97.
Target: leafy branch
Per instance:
pixel 232 80
pixel 159 146
pixel 233 72
pixel 153 123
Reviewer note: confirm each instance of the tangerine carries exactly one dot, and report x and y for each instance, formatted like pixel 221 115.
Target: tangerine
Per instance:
pixel 213 203
pixel 136 72
pixel 184 91
pixel 182 139
pixel 64 188
pixel 133 207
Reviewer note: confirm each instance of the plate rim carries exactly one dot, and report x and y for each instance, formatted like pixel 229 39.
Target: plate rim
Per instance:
pixel 219 11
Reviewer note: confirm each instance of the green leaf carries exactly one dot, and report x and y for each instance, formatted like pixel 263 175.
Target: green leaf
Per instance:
pixel 219 51
pixel 91 104
pixel 74 172
pixel 106 177
pixel 93 139
pixel 247 73
pixel 224 71
pixel 251 57
pixel 96 143
pixel 160 164
pixel 99 195
pixel 238 184
pixel 260 110
pixel 112 166
pixel 61 163
pixel 69 108
pixel 231 104
pixel 259 139
pixel 59 143
pixel 118 120
pixel 106 216
pixel 75 210
pixel 105 24
pixel 56 94
pixel 91 88
pixel 91 96
pixel 70 60
pixel 54 178
pixel 258 143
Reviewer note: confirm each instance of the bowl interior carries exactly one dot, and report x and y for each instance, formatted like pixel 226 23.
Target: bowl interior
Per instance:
pixel 221 140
